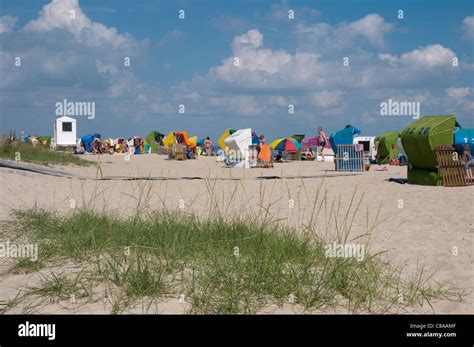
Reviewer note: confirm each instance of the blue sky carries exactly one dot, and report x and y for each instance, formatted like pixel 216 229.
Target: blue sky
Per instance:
pixel 190 62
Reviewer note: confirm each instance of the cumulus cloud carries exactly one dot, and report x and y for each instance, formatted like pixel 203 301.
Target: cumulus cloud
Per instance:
pixel 372 27
pixel 76 57
pixel 392 59
pixel 67 15
pixel 62 27
pixel 262 68
pixel 429 56
pixel 317 82
pixel 345 36
pixel 7 23
pixel 253 37
pixel 254 67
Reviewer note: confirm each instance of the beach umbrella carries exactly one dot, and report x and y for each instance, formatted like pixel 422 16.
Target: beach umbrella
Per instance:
pixel 285 144
pixel 200 142
pixel 222 138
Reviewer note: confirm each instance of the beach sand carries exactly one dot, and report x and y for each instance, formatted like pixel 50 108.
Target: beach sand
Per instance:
pixel 420 227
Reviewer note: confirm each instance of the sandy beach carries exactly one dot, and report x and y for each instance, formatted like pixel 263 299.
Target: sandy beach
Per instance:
pixel 421 226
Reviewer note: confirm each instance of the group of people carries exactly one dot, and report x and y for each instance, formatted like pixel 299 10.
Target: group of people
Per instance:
pixel 94 145
pixel 307 154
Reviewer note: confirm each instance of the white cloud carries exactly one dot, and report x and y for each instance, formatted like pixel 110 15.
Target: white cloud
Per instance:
pixel 345 36
pixel 7 23
pixel 373 27
pixel 310 75
pixel 253 37
pixel 258 64
pixel 458 93
pixel 76 58
pixel 264 69
pixel 468 28
pixel 314 80
pixel 252 58
pixel 429 56
pixel 67 15
pixel 392 59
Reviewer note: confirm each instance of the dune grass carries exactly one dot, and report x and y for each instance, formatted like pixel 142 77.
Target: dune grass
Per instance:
pixel 40 155
pixel 218 265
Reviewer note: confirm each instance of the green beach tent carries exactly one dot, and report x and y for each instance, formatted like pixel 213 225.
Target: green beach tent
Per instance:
pixel 387 147
pixel 419 140
pixel 155 139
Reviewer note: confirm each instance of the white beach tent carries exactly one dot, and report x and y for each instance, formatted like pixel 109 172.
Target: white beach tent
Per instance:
pixel 64 132
pixel 239 143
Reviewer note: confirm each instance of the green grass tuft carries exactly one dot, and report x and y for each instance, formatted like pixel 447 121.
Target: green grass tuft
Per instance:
pixel 221 266
pixel 41 155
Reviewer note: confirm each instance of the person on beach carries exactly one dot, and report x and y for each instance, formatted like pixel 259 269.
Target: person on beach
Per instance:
pixel 467 157
pixel 322 140
pixel 261 140
pixel 308 154
pixel 208 146
pixel 95 146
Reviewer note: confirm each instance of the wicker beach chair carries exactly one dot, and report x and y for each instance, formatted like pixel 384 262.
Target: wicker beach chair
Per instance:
pixel 265 157
pixel 453 171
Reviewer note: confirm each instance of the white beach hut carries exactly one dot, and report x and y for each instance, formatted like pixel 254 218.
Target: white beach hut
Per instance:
pixel 64 132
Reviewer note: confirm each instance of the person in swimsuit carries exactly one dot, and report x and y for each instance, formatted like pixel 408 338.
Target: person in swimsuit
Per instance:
pixel 322 140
